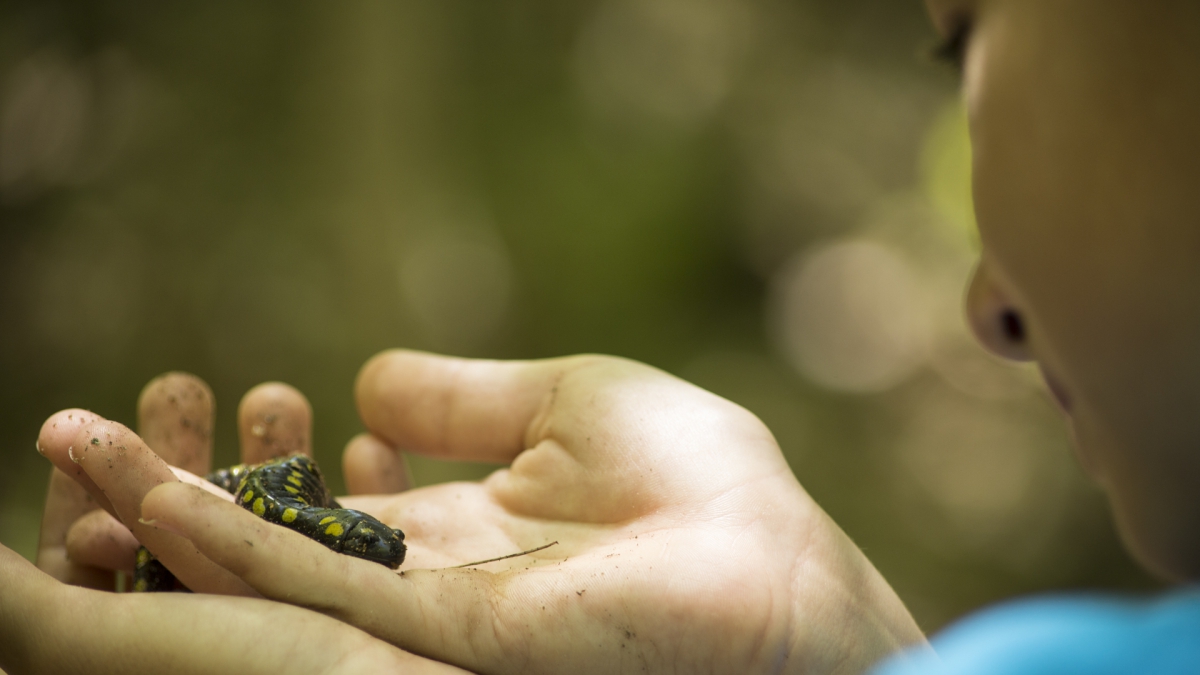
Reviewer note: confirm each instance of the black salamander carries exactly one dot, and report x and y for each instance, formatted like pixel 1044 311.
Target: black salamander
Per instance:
pixel 290 491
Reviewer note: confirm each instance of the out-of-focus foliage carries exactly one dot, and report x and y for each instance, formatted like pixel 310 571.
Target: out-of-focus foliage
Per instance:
pixel 768 198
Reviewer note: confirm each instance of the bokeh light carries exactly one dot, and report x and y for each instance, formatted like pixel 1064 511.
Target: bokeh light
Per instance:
pixel 852 316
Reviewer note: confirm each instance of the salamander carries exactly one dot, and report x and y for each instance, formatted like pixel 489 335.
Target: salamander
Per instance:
pixel 290 491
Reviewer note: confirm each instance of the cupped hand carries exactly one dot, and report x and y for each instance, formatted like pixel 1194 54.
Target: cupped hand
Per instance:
pixel 49 627
pixel 91 524
pixel 684 542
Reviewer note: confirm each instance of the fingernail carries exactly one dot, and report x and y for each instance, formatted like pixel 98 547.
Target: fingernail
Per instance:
pixel 38 445
pixel 71 454
pixel 156 524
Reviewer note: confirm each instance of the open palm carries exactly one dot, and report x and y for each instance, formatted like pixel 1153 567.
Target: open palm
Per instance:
pixel 685 543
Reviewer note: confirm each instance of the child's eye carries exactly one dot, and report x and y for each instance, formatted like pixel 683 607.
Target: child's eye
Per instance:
pixel 953 48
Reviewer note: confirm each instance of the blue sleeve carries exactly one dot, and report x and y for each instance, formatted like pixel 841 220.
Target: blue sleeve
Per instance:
pixel 1065 636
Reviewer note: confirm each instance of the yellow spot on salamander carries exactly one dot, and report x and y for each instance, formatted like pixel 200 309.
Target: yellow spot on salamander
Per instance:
pixel 291 490
pixel 289 515
pixel 326 520
pixel 259 507
pixel 294 480
pixel 143 556
pixel 335 529
pixel 247 496
pixel 139 586
pixel 295 474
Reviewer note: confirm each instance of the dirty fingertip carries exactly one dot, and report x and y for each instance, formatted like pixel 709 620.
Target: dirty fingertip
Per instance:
pixel 59 430
pixel 175 419
pixel 274 420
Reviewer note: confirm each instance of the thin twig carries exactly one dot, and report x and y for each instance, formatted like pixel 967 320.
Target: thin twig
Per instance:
pixel 504 557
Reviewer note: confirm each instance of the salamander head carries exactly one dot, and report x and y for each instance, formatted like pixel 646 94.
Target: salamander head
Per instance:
pixel 374 541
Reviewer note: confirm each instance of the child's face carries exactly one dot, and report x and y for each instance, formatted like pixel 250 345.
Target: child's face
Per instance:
pixel 1085 125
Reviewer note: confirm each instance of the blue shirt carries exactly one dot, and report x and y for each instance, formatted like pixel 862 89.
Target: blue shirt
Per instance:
pixel 1095 635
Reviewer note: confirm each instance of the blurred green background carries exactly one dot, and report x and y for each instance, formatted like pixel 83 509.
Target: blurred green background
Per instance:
pixel 766 197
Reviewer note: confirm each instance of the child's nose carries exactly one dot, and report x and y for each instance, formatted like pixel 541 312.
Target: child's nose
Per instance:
pixel 996 321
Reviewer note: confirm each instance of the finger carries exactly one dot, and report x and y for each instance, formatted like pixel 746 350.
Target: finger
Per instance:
pixel 66 501
pixel 99 540
pixel 438 613
pixel 372 467
pixel 56 442
pixel 124 470
pixel 457 408
pixel 274 420
pixel 175 418
pixel 47 627
pixel 572 430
